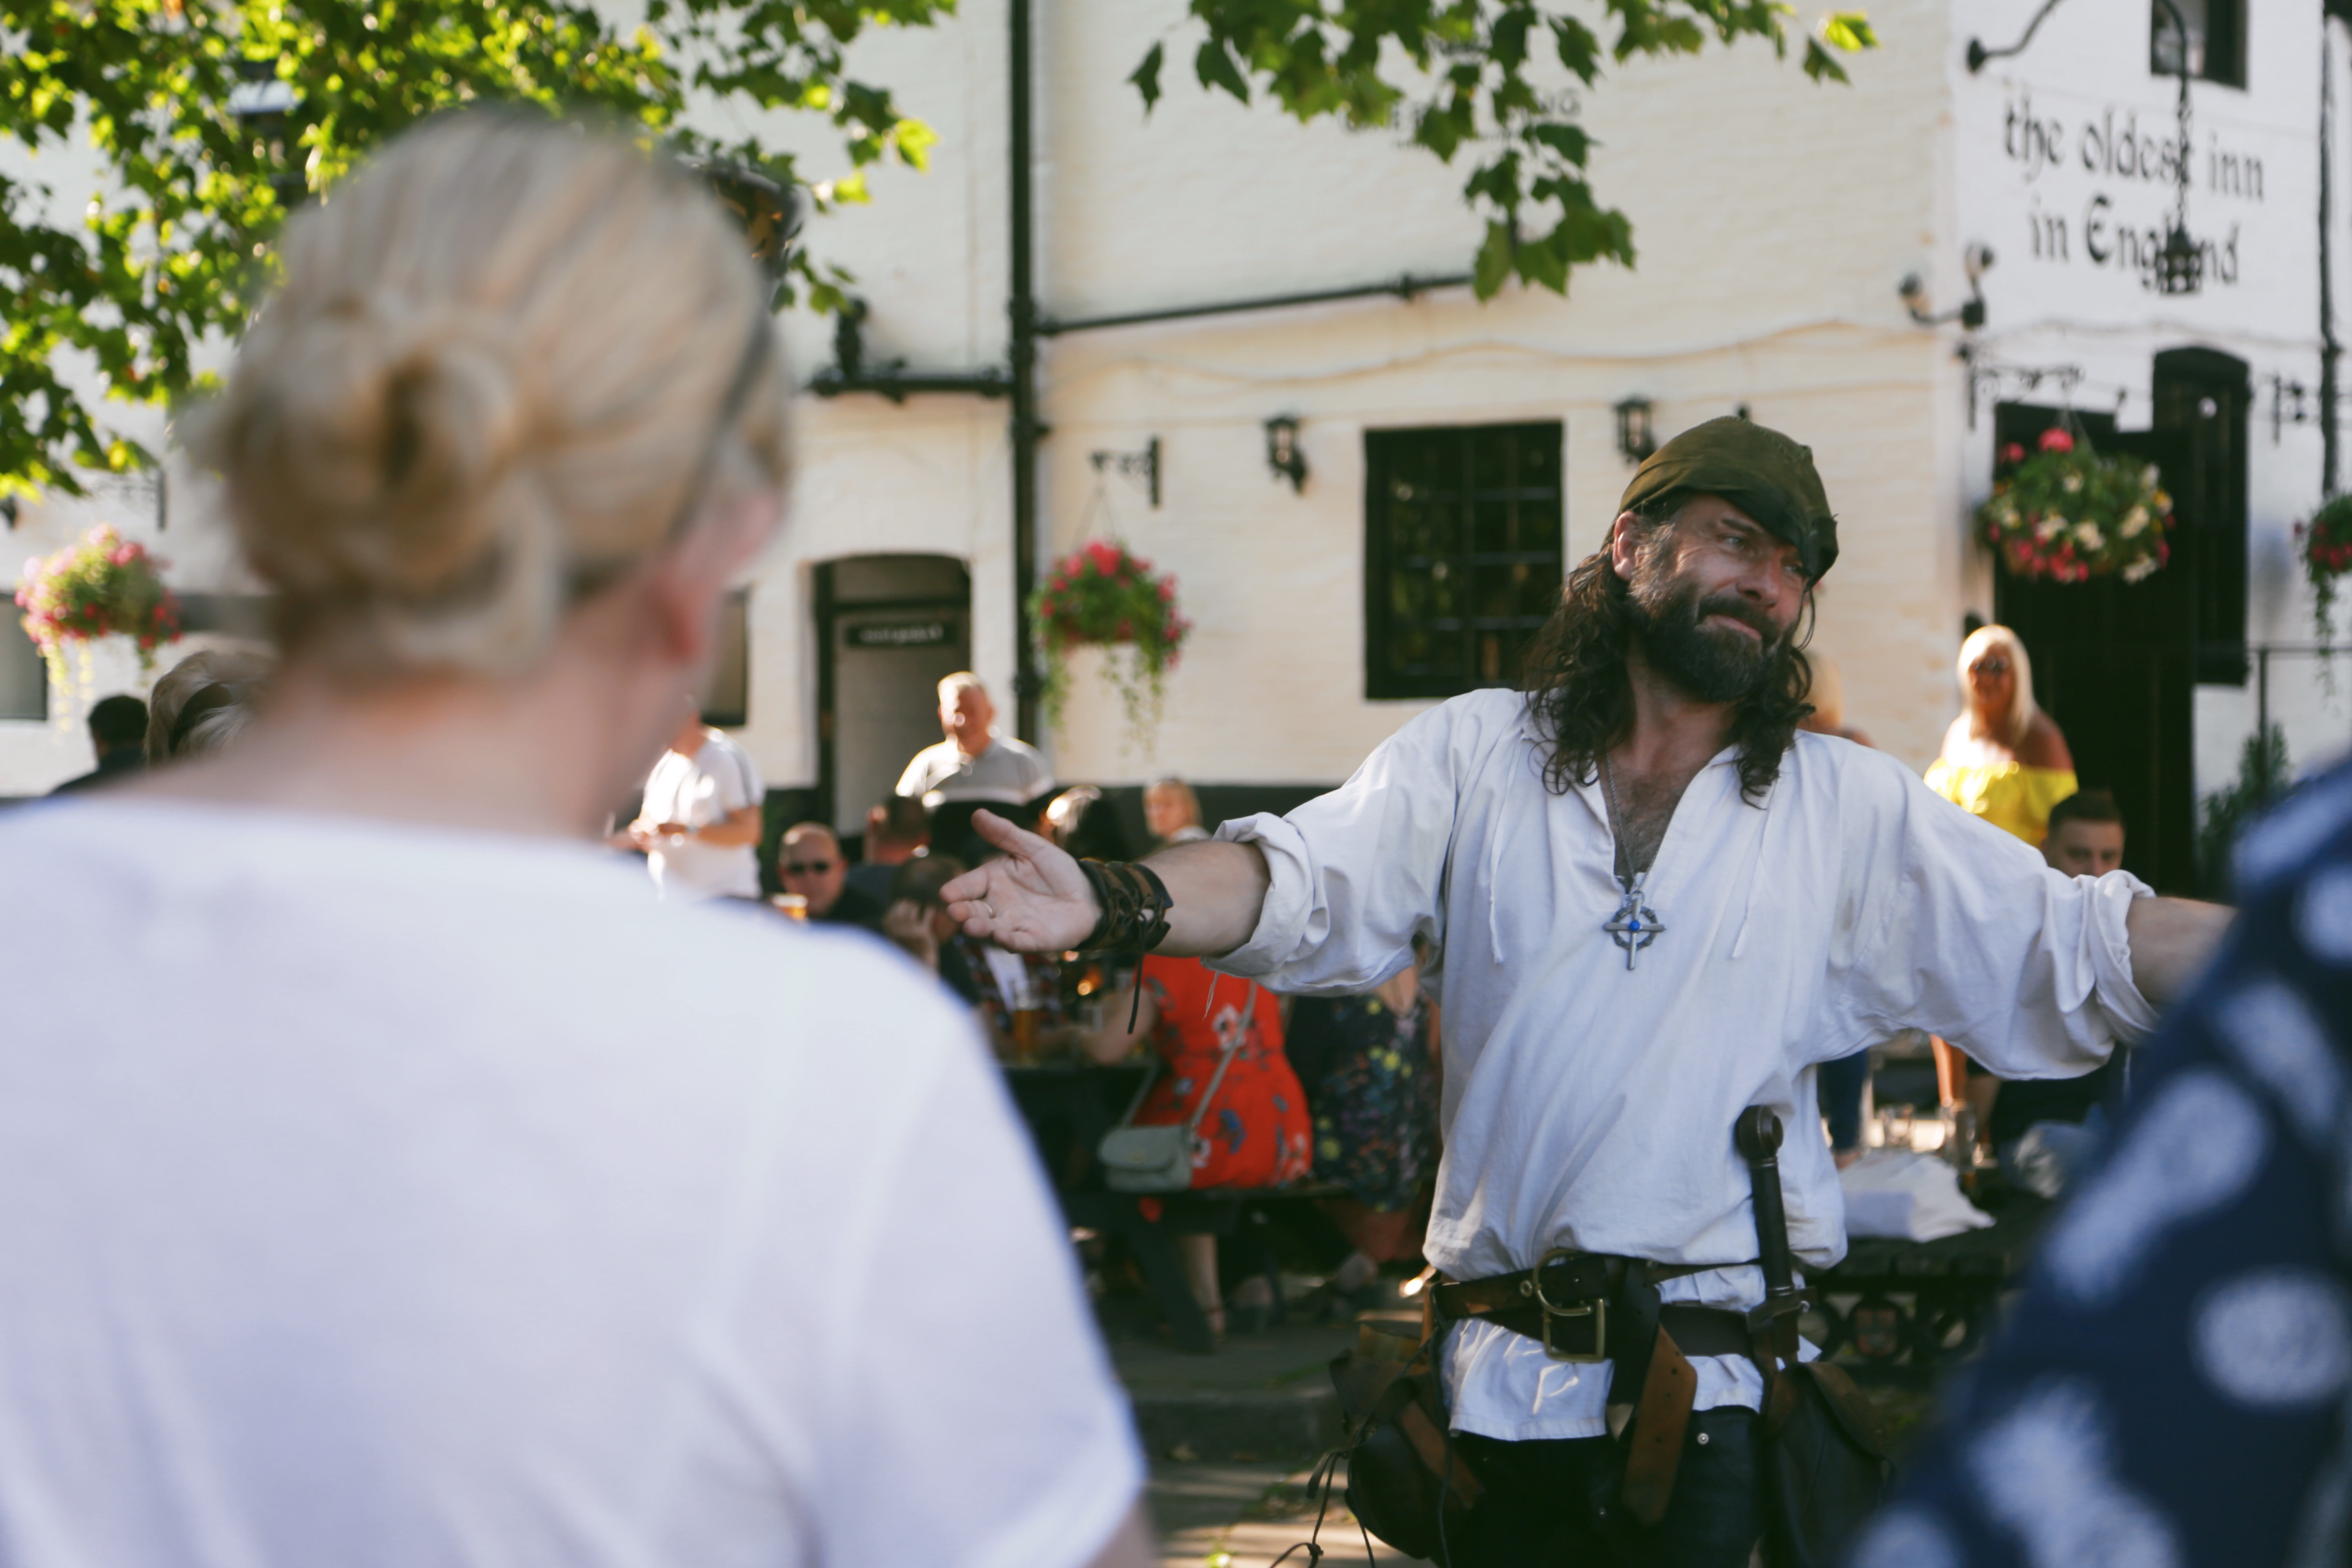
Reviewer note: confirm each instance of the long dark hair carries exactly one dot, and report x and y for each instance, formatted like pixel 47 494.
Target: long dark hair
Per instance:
pixel 1582 700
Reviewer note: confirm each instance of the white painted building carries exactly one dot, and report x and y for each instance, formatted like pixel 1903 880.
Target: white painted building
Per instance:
pixel 1775 221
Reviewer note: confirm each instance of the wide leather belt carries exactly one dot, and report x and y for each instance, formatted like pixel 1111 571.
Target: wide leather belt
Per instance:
pixel 1578 1287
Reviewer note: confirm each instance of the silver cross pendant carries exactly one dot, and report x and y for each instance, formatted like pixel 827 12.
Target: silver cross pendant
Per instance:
pixel 1634 926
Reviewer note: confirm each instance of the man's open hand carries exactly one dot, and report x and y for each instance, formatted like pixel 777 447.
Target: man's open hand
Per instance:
pixel 1031 899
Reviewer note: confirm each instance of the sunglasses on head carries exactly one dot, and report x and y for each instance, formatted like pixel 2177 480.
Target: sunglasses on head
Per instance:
pixel 807 867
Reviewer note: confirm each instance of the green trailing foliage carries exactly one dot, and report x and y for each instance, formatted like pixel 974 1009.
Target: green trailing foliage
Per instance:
pixel 1465 73
pixel 136 276
pixel 2263 777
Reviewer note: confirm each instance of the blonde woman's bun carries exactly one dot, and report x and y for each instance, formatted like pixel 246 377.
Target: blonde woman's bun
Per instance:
pixel 493 369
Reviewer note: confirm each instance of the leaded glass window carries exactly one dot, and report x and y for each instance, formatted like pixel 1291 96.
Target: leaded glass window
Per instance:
pixel 1463 530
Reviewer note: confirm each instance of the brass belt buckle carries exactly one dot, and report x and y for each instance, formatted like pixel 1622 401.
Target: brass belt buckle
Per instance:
pixel 1596 1309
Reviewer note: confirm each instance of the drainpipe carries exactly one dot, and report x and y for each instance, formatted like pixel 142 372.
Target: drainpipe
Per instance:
pixel 1025 429
pixel 2330 350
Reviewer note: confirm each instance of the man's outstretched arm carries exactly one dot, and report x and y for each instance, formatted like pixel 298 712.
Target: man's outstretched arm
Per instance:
pixel 1034 899
pixel 2171 938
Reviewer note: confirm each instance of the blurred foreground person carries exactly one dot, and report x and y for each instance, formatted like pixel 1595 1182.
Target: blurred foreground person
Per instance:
pixel 118 735
pixel 2172 1387
pixel 700 824
pixel 1659 906
pixel 203 703
pixel 423 1193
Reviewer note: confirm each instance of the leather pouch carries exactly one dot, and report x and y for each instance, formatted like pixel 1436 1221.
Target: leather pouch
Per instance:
pixel 1397 1446
pixel 1825 1462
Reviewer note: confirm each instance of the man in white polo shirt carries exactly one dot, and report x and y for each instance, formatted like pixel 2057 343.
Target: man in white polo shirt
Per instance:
pixel 974 762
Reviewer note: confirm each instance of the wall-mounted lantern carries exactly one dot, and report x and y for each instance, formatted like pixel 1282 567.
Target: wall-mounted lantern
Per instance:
pixel 767 212
pixel 1282 453
pixel 1636 439
pixel 1976 261
pixel 2180 265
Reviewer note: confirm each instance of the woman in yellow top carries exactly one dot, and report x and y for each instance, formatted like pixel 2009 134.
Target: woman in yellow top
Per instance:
pixel 2004 759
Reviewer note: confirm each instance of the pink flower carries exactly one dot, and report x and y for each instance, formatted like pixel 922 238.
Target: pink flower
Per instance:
pixel 2056 439
pixel 2012 453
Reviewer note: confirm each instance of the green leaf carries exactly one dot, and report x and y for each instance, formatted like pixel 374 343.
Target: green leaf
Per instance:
pixel 1494 263
pixel 1569 141
pixel 1848 30
pixel 1146 76
pixel 1580 51
pixel 1216 66
pixel 1820 65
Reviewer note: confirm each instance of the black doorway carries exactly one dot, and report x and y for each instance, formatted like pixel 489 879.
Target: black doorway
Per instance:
pixel 2116 664
pixel 889 628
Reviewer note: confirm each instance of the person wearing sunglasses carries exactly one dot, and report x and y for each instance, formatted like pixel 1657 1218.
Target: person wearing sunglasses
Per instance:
pixel 812 865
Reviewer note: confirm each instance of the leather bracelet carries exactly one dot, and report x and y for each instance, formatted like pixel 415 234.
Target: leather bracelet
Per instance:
pixel 1135 905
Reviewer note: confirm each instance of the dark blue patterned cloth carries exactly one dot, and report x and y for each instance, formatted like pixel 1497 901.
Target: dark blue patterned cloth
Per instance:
pixel 2172 1388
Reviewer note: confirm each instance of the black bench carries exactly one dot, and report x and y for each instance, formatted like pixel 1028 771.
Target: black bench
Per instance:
pixel 1911 1307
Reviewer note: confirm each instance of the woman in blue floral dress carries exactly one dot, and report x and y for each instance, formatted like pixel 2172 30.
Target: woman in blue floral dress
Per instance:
pixel 1371 1070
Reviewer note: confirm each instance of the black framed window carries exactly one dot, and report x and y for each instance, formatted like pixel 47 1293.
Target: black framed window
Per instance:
pixel 2216 41
pixel 23 678
pixel 1463 536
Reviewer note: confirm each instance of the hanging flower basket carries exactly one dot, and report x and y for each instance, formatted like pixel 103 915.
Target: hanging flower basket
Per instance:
pixel 2069 514
pixel 2325 543
pixel 104 587
pixel 1102 595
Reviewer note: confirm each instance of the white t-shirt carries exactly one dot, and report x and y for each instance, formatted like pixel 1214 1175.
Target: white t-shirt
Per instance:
pixel 382 1196
pixel 699 791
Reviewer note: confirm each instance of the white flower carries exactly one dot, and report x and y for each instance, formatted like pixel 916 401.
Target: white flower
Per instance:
pixel 2149 476
pixel 2071 483
pixel 2089 536
pixel 2008 516
pixel 2135 523
pixel 2052 527
pixel 2139 569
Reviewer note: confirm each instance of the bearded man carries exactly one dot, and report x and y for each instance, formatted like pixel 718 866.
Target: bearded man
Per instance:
pixel 1658 904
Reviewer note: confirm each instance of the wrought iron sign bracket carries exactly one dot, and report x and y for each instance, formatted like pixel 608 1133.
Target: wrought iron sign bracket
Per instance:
pixel 1143 465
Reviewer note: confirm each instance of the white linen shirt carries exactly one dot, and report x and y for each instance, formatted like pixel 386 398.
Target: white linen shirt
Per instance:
pixel 1591 1106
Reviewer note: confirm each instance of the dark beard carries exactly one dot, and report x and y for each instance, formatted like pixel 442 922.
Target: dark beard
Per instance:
pixel 1708 664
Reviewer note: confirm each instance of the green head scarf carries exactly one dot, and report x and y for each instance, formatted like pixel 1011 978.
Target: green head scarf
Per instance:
pixel 1760 471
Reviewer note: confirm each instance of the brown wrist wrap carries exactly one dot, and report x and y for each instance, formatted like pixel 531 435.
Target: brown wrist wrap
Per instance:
pixel 1135 905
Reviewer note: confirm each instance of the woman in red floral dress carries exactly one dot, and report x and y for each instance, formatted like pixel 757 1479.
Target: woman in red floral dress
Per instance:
pixel 1255 1131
